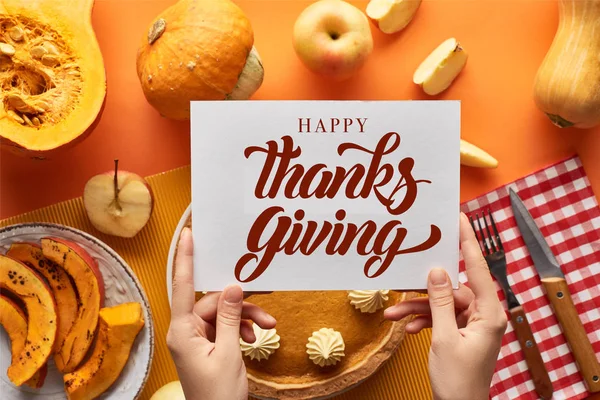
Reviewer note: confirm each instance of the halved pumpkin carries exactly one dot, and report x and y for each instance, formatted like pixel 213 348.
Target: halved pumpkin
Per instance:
pixel 42 325
pixel 83 269
pixel 52 77
pixel 118 328
pixel 14 321
pixel 62 289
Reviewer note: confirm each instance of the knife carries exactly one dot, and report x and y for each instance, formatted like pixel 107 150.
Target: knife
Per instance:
pixel 558 293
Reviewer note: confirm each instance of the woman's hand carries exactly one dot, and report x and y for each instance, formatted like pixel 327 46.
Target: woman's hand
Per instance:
pixel 204 338
pixel 468 325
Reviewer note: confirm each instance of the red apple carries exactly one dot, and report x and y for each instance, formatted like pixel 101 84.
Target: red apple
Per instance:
pixel 118 203
pixel 333 38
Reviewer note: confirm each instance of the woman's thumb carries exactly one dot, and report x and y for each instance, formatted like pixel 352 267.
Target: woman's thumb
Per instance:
pixel 441 302
pixel 229 314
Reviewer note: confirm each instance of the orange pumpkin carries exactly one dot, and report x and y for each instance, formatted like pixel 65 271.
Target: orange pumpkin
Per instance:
pixel 52 77
pixel 198 50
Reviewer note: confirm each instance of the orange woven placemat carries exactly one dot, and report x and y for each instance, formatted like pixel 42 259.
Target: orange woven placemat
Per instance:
pixel 403 377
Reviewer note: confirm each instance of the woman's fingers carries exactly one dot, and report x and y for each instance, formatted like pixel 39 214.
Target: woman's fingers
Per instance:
pixel 258 315
pixel 404 308
pixel 183 279
pixel 246 331
pixel 478 273
pixel 206 308
pixel 463 297
pixel 419 323
pixel 228 322
pixel 441 302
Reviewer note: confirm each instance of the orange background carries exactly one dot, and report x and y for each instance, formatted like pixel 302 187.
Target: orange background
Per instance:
pixel 506 40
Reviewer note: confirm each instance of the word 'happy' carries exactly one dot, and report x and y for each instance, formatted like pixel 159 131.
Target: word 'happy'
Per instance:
pixel 293 180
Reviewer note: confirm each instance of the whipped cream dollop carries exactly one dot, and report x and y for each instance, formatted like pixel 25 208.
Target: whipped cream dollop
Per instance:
pixel 325 347
pixel 267 341
pixel 368 301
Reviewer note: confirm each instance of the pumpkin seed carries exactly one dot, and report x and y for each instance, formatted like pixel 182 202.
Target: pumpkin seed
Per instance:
pixel 27 120
pixel 21 105
pixel 50 48
pixel 38 52
pixel 50 60
pixel 191 65
pixel 16 33
pixel 7 49
pixel 149 78
pixel 35 121
pixel 42 105
pixel 156 30
pixel 15 116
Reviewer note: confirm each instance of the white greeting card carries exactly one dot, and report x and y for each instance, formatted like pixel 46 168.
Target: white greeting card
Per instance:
pixel 324 195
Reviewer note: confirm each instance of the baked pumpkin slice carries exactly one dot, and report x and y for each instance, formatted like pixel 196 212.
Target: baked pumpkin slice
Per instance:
pixel 118 328
pixel 24 283
pixel 52 76
pixel 63 291
pixel 14 321
pixel 83 269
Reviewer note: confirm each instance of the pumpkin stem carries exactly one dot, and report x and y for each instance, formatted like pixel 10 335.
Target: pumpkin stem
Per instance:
pixel 116 186
pixel 559 121
pixel 156 30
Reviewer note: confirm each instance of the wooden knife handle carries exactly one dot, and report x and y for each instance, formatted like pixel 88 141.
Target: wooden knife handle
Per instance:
pixel 560 297
pixel 537 369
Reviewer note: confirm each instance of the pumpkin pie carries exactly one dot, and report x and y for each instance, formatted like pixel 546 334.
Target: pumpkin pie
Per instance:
pixel 287 371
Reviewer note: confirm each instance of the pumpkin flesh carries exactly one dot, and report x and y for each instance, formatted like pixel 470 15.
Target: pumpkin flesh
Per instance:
pixel 54 85
pixel 118 328
pixel 62 289
pixel 24 283
pixel 83 269
pixel 567 84
pixel 14 321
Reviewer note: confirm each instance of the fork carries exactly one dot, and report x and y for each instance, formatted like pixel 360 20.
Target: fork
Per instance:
pixel 495 256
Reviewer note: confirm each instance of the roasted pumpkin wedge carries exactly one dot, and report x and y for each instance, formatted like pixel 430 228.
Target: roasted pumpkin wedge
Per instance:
pixel 83 269
pixel 24 283
pixel 118 328
pixel 14 321
pixel 52 76
pixel 62 289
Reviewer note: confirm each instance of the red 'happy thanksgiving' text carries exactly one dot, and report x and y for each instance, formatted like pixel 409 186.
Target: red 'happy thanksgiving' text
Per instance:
pixel 293 180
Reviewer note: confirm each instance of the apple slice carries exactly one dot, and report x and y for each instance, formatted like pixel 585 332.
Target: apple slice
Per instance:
pixel 391 16
pixel 14 321
pixel 83 269
pixel 42 328
pixel 473 156
pixel 62 289
pixel 118 203
pixel 437 72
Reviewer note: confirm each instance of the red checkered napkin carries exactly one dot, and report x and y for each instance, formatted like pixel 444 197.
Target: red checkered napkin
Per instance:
pixel 561 200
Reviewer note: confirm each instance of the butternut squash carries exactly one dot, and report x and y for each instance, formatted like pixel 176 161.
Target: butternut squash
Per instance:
pixel 62 289
pixel 567 84
pixel 118 328
pixel 24 283
pixel 83 269
pixel 14 321
pixel 52 77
